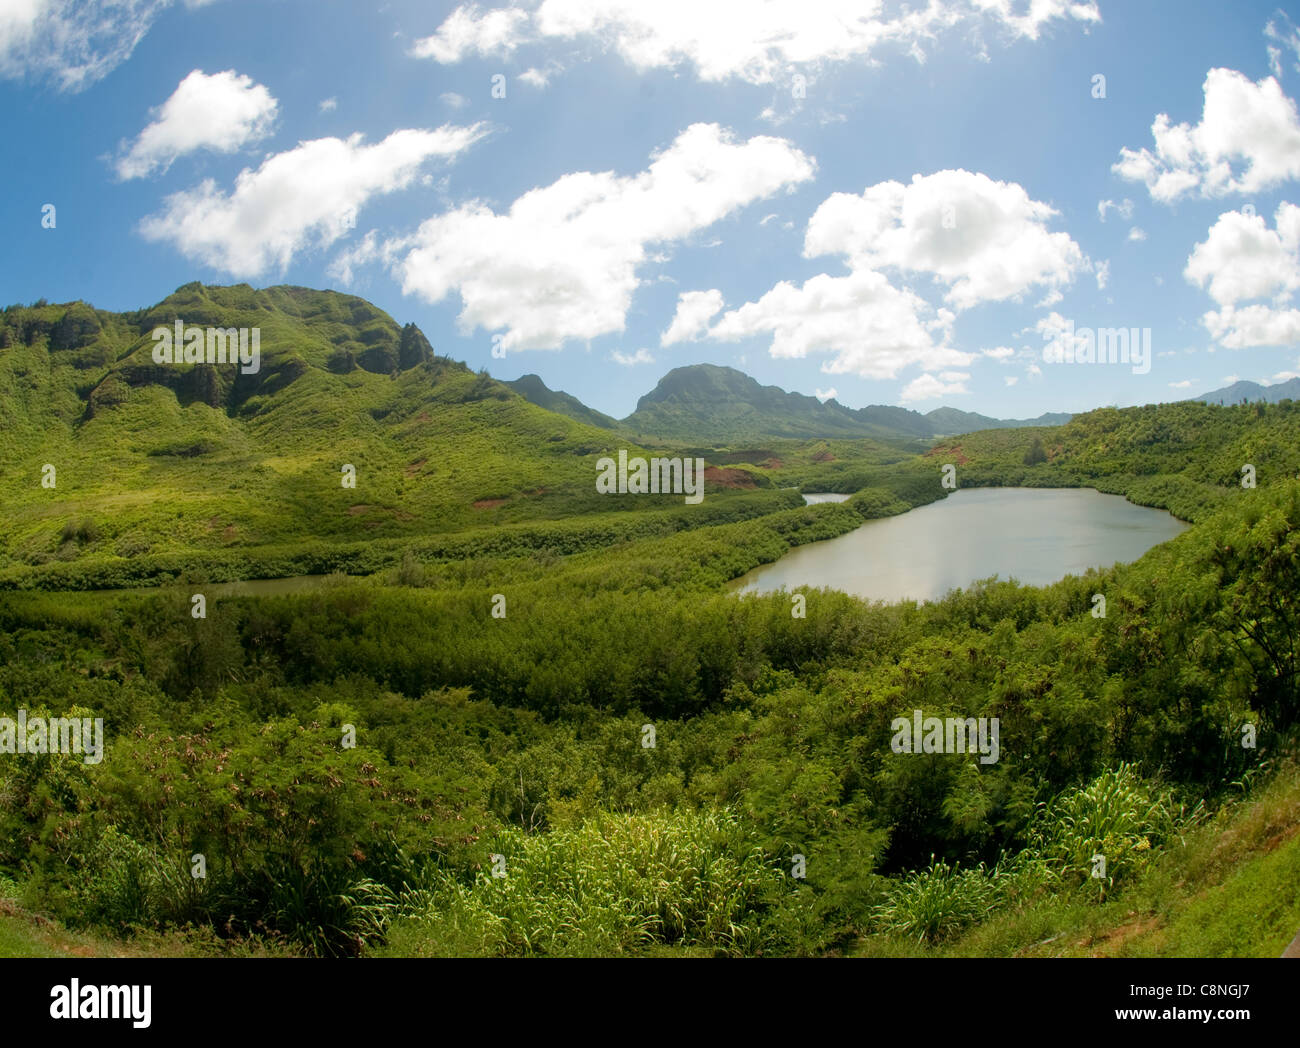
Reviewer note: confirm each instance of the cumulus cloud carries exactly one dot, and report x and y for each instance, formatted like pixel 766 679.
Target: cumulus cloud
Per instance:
pixel 1103 274
pixel 750 40
pixel 870 327
pixel 1253 126
pixel 694 311
pixel 223 112
pixel 563 262
pixel 999 353
pixel 1137 234
pixel 328 105
pixel 469 30
pixel 826 394
pixel 928 387
pixel 310 193
pixel 641 356
pixel 1242 259
pixel 987 240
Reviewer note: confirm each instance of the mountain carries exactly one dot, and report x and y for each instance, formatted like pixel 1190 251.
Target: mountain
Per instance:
pixel 949 421
pixel 720 405
pixel 535 391
pixel 1253 391
pixel 707 403
pixel 109 454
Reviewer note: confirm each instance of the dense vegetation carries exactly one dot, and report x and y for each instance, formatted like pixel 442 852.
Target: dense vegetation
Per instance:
pixel 560 734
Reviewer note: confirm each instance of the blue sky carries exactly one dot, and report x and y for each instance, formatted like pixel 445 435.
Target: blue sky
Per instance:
pixel 831 195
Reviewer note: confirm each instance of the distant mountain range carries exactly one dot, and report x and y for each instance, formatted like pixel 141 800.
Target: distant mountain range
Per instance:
pixel 712 404
pixel 1253 391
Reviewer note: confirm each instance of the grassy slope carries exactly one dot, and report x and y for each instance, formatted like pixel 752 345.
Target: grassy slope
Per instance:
pixel 144 465
pixel 1228 891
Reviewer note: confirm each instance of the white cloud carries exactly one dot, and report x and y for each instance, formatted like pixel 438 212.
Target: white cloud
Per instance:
pixel 222 112
pixel 311 192
pixel 1000 353
pixel 1137 234
pixel 751 40
pixel 469 30
pixel 1124 208
pixel 987 240
pixel 562 263
pixel 694 311
pixel 1103 274
pixel 1282 30
pixel 1184 384
pixel 870 327
pixel 928 387
pixel 1252 125
pixel 535 77
pixel 328 105
pixel 1242 258
pixel 826 394
pixel 366 251
pixel 74 42
pixel 1011 380
pixel 454 100
pixel 767 218
pixel 1250 326
pixel 641 356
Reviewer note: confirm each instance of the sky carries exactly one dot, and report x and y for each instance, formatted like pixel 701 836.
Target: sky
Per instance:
pixel 928 204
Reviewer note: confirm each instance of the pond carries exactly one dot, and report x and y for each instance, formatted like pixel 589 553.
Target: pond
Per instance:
pixel 1034 535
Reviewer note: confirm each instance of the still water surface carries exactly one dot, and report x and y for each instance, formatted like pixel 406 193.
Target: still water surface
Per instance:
pixel 1034 535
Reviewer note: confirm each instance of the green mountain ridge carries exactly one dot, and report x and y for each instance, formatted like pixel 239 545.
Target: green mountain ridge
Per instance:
pixel 161 459
pixel 709 403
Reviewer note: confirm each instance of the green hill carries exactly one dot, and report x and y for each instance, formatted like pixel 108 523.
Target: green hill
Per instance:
pixel 174 460
pixel 535 391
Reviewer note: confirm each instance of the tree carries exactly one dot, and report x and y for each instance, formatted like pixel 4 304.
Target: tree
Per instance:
pixel 1035 454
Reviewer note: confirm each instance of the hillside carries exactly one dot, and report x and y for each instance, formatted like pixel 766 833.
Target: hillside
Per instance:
pixel 169 459
pixel 535 391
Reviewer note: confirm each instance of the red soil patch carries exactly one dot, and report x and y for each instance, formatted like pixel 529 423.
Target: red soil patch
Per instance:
pixel 772 463
pixel 358 509
pixel 954 453
pixel 823 456
pixel 728 478
pixel 414 467
pixel 490 503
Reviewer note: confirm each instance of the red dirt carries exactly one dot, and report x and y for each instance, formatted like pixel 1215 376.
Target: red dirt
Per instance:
pixel 490 503
pixel 728 478
pixel 954 453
